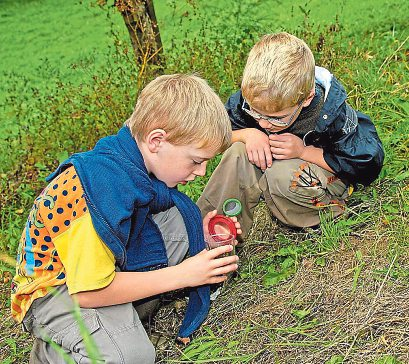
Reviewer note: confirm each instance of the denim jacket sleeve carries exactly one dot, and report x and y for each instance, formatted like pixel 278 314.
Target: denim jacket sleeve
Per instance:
pixel 354 151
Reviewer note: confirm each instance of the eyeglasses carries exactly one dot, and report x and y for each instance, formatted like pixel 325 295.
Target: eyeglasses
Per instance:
pixel 277 121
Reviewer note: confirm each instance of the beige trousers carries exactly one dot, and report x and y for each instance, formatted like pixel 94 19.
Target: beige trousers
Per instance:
pixel 294 190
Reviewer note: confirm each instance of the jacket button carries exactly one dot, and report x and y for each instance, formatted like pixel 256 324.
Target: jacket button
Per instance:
pixel 325 117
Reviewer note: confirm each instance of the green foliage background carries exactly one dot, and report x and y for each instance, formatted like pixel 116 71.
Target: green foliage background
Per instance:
pixel 68 76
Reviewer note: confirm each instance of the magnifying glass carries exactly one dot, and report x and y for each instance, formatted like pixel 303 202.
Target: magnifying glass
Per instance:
pixel 222 224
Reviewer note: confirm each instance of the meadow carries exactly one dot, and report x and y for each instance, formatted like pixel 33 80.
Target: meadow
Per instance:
pixel 337 295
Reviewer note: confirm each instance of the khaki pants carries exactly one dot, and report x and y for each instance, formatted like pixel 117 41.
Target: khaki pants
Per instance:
pixel 294 190
pixel 116 330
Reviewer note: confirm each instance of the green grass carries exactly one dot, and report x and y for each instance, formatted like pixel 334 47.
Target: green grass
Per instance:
pixel 332 297
pixel 45 41
pixel 189 17
pixel 62 33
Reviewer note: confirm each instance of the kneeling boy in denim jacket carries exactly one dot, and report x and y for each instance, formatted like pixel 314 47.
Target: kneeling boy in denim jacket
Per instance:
pixel 296 141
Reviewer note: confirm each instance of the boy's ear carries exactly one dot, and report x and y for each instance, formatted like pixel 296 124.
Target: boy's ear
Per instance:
pixel 155 139
pixel 309 98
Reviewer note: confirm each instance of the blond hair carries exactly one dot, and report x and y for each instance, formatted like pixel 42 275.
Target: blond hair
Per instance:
pixel 185 107
pixel 279 73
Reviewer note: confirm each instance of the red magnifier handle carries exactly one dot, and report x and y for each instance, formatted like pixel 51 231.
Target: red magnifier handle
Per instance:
pixel 224 223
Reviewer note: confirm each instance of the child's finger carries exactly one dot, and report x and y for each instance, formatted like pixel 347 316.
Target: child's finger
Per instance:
pixel 220 262
pixel 225 269
pixel 236 222
pixel 211 214
pixel 217 279
pixel 206 221
pixel 214 253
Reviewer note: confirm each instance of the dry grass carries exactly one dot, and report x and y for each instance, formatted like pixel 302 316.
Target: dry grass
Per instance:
pixel 352 318
pixel 322 313
pixel 14 343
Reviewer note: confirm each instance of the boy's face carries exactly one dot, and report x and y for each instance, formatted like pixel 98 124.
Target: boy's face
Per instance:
pixel 174 164
pixel 279 121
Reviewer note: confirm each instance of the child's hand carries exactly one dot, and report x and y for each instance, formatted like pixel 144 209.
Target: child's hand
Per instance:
pixel 237 225
pixel 286 146
pixel 207 268
pixel 206 220
pixel 258 149
pixel 213 214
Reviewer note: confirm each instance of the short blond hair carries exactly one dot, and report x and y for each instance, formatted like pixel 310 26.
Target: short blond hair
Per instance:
pixel 279 73
pixel 187 108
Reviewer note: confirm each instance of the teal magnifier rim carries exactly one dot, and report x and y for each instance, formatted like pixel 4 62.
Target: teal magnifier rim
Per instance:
pixel 232 207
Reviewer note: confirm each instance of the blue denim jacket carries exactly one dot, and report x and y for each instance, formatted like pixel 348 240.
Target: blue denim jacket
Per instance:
pixel 121 197
pixel 348 137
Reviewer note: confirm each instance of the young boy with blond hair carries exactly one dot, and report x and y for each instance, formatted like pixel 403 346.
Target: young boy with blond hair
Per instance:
pixel 111 229
pixel 296 141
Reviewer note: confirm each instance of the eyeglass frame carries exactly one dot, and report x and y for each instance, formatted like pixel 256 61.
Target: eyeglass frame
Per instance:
pixel 273 121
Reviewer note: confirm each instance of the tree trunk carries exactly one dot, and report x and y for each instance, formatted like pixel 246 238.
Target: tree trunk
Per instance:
pixel 140 20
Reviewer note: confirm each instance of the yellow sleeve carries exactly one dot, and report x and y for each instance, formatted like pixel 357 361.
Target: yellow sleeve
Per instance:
pixel 88 262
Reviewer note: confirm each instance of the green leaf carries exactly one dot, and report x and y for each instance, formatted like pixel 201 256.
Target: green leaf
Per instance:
pixel 193 351
pixel 391 209
pixel 233 344
pixel 388 359
pixel 62 156
pixel 282 239
pixel 12 344
pixel 274 277
pixel 335 359
pixel 283 252
pixel 300 314
pixel 401 176
pixel 60 351
pixel 40 166
pixel 321 261
pixel 287 263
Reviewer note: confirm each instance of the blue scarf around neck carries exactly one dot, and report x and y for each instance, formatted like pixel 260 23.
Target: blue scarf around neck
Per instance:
pixel 121 197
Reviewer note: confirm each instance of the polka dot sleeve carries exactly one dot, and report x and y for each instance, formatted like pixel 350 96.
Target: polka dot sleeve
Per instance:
pixel 88 262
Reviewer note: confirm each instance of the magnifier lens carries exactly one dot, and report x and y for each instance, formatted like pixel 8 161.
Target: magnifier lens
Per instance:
pixel 232 207
pixel 222 228
pixel 220 224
